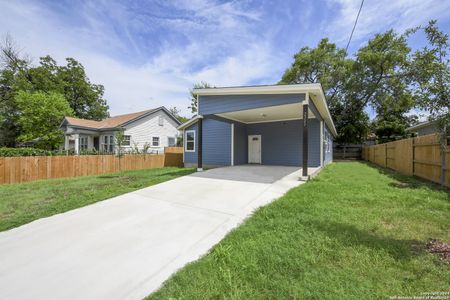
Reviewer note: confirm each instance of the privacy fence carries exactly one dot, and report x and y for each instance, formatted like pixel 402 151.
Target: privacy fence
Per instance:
pixel 420 156
pixel 30 168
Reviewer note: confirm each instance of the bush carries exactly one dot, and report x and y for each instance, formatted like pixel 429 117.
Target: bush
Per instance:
pixel 24 152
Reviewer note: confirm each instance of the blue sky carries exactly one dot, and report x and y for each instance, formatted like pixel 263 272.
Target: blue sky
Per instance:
pixel 149 53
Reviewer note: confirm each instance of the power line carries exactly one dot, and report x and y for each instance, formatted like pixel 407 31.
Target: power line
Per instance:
pixel 354 26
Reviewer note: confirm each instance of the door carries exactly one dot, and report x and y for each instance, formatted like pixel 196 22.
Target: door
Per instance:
pixel 96 147
pixel 254 149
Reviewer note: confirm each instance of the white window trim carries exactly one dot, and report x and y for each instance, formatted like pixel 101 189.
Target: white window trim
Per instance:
pixel 159 141
pixel 129 145
pixel 185 141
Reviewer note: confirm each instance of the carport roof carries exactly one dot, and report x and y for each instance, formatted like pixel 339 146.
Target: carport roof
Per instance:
pixel 313 89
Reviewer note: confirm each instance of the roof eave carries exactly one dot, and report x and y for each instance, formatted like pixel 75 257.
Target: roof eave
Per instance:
pixel 190 122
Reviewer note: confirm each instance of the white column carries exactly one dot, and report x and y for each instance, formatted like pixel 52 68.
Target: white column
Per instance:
pixel 232 144
pixel 66 142
pixel 77 143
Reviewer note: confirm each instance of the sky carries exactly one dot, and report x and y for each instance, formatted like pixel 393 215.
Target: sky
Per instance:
pixel 150 53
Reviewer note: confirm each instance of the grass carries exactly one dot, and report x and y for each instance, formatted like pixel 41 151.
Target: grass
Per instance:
pixel 25 202
pixel 354 232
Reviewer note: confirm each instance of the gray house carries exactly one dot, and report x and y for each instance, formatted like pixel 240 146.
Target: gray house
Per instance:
pixel 424 128
pixel 287 125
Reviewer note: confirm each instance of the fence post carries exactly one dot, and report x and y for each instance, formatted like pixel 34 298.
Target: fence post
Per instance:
pixel 413 155
pixel 385 155
pixel 443 154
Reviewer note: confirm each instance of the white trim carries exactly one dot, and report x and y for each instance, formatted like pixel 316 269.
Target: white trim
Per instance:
pixel 314 89
pixel 183 144
pixel 322 158
pixel 190 122
pixel 280 120
pixel 266 121
pixel 262 89
pixel 232 144
pixel 185 141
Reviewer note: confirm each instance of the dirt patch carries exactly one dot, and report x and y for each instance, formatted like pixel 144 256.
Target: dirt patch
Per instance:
pixel 439 248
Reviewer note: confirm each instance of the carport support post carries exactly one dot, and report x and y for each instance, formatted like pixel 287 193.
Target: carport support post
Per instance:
pixel 200 146
pixel 305 141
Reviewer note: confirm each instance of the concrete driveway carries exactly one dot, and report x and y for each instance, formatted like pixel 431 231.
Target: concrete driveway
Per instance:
pixel 126 246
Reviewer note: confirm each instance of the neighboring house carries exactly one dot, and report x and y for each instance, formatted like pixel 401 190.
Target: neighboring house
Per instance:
pixel 286 125
pixel 155 127
pixel 424 128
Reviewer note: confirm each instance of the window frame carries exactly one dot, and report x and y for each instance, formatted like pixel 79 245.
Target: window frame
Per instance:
pixel 160 120
pixel 186 141
pixel 159 141
pixel 126 140
pixel 83 143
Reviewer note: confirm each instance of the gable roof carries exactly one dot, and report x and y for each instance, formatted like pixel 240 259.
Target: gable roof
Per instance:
pixel 314 89
pixel 116 121
pixel 421 125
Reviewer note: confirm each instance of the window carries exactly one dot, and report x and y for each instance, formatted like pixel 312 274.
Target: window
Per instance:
pixel 190 141
pixel 155 141
pixel 161 121
pixel 83 143
pixel 111 143
pixel 126 140
pixel 108 143
pixel 171 141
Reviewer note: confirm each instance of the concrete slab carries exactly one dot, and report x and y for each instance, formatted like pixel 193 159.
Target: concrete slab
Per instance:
pixel 125 247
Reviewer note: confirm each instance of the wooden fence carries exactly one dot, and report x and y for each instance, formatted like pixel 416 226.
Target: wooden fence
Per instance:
pixel 173 149
pixel 420 156
pixel 347 151
pixel 23 169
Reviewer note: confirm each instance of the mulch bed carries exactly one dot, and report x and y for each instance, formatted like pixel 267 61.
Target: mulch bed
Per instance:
pixel 439 248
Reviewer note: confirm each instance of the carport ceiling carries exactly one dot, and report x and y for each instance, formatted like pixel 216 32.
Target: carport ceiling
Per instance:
pixel 268 114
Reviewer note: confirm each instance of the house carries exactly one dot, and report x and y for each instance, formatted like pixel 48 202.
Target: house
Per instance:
pixel 286 125
pixel 424 128
pixel 154 127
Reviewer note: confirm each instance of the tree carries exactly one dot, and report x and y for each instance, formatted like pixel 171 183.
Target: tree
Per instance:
pixel 85 98
pixel 194 104
pixel 176 113
pixel 328 65
pixel 432 76
pixel 11 64
pixel 18 74
pixel 119 139
pixel 40 116
pixel 377 76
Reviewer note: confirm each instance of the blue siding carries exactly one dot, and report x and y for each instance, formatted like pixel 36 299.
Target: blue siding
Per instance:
pixel 240 144
pixel 221 104
pixel 282 142
pixel 328 146
pixel 191 157
pixel 216 142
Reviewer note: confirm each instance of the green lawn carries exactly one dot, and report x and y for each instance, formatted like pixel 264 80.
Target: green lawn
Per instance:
pixel 354 232
pixel 25 202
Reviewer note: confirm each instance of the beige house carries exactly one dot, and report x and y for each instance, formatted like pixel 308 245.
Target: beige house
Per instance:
pixel 154 127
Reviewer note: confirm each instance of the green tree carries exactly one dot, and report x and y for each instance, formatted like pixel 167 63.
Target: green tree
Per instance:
pixel 432 76
pixel 193 98
pixel 376 76
pixel 176 113
pixel 18 74
pixel 40 116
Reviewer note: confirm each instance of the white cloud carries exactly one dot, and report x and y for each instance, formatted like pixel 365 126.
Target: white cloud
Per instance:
pixel 378 16
pixel 220 49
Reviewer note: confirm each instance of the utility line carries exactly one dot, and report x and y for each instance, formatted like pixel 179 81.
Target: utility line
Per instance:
pixel 354 26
